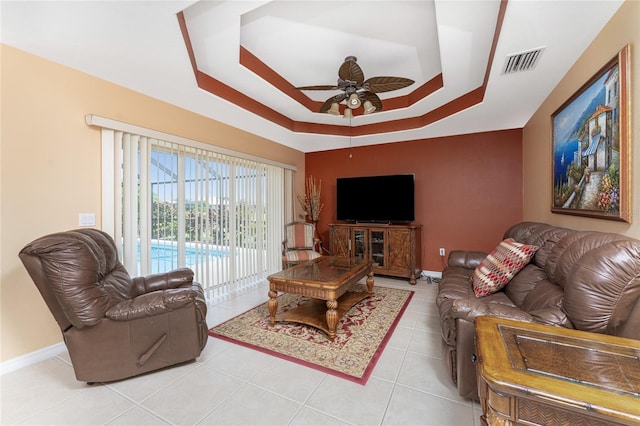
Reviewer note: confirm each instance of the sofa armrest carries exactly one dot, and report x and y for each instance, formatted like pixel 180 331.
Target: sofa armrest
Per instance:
pixel 153 303
pixel 182 277
pixel 469 309
pixel 466 259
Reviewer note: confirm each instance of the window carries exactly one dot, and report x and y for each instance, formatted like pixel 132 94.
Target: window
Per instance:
pixel 172 202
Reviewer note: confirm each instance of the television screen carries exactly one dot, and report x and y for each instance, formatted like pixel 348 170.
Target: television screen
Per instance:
pixel 376 199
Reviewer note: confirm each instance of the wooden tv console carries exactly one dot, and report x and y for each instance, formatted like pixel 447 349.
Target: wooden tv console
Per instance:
pixel 394 249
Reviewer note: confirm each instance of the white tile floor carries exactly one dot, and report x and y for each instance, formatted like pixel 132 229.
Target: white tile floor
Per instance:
pixel 229 384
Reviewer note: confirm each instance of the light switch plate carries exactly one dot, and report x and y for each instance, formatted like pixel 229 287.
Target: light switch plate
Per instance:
pixel 87 219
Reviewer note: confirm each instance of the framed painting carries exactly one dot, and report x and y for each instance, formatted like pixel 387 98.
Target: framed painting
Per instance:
pixel 591 148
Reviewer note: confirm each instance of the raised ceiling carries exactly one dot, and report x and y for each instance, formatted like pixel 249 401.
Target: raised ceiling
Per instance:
pixel 239 61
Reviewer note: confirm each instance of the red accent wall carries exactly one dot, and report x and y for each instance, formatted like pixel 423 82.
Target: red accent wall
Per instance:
pixel 468 188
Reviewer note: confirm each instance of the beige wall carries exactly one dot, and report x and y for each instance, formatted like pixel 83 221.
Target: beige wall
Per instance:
pixel 50 169
pixel 623 28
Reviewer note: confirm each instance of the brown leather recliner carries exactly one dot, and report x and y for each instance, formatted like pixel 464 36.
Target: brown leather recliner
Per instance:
pixel 114 326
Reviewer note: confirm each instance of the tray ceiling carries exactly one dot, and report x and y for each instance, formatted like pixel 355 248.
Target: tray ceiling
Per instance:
pixel 238 61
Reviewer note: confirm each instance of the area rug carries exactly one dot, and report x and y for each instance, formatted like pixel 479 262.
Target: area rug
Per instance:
pixel 361 336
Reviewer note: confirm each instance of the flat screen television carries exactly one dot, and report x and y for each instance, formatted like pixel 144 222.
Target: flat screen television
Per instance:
pixel 376 199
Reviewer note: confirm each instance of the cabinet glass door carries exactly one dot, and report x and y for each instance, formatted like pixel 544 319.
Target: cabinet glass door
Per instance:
pixel 377 248
pixel 359 244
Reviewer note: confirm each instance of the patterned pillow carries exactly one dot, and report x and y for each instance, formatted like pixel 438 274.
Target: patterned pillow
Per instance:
pixel 497 269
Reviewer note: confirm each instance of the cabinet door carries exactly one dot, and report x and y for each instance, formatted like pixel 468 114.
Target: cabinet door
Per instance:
pixel 341 241
pixel 360 245
pixel 378 248
pixel 399 259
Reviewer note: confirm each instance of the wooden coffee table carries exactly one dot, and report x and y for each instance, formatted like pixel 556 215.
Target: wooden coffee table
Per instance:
pixel 326 280
pixel 537 374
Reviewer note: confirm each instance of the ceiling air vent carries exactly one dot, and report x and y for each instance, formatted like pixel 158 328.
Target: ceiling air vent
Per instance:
pixel 522 61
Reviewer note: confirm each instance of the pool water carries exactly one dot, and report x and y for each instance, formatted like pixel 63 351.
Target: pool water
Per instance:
pixel 164 256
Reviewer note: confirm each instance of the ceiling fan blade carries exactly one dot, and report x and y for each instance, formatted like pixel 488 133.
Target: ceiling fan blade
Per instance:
pixel 327 104
pixel 387 84
pixel 320 87
pixel 374 99
pixel 350 70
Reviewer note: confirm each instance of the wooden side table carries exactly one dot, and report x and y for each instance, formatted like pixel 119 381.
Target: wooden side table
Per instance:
pixel 542 375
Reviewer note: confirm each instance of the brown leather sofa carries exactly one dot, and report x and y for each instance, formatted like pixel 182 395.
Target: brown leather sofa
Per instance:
pixel 585 280
pixel 114 326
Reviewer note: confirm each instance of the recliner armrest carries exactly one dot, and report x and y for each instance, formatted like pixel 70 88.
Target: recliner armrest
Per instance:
pixel 176 278
pixel 469 309
pixel 153 303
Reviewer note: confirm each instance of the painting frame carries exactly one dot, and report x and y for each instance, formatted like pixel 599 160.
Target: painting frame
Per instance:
pixel 591 146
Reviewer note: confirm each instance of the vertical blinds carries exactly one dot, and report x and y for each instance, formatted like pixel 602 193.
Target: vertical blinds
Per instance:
pixel 177 205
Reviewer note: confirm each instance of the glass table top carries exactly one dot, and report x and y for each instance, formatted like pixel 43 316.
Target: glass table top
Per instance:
pixel 323 269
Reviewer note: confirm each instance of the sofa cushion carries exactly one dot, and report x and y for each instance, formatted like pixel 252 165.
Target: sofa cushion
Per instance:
pixel 551 316
pixel 300 255
pixel 455 284
pixel 523 282
pixel 545 295
pixel 497 269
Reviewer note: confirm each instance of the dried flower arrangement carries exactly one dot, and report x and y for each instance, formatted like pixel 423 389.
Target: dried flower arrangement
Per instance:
pixel 311 201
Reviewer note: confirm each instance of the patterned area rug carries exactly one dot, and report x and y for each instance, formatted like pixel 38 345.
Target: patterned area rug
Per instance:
pixel 361 336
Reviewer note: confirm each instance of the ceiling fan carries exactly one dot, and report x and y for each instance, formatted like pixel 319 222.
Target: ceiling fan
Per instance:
pixel 357 90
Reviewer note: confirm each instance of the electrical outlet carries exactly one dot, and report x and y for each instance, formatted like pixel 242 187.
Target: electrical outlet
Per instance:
pixel 441 251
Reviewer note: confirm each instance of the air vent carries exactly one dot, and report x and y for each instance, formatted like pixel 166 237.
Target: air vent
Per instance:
pixel 522 61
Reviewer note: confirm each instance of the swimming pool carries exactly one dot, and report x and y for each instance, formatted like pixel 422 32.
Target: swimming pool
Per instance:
pixel 164 255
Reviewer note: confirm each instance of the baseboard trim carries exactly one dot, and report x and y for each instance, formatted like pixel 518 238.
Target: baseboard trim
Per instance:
pixel 31 358
pixel 432 274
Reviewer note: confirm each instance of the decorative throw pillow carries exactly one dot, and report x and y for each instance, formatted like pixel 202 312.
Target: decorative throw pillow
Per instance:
pixel 497 269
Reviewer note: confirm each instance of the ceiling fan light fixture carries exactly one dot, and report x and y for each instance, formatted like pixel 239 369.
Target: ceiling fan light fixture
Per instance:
pixel 356 91
pixel 368 107
pixel 354 101
pixel 334 110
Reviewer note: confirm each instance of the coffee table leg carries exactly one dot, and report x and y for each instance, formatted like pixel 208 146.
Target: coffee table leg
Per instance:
pixel 370 282
pixel 273 306
pixel 332 318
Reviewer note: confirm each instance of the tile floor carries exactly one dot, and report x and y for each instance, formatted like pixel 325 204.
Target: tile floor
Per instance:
pixel 229 384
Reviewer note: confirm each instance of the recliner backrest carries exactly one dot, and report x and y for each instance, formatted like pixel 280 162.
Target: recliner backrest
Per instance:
pixel 78 275
pixel 538 234
pixel 113 275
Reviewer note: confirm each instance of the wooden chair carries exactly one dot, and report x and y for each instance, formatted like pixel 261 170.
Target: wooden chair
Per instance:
pixel 300 244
